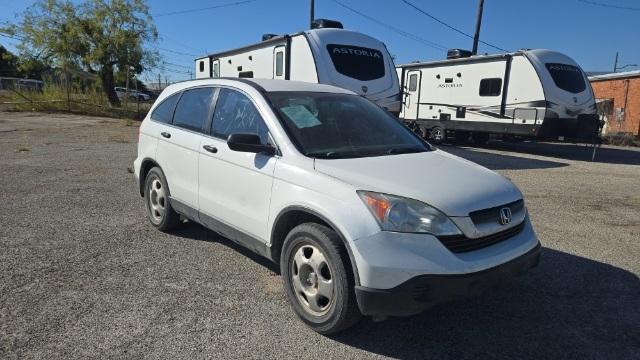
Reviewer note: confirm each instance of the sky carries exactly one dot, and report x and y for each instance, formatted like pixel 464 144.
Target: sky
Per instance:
pixel 586 30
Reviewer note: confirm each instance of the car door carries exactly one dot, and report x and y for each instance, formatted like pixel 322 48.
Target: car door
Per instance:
pixel 179 143
pixel 235 187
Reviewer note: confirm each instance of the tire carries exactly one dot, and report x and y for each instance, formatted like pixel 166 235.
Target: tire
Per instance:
pixel 436 135
pixel 156 200
pixel 313 255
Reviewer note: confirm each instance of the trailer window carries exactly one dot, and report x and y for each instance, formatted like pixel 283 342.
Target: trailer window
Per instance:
pixel 413 82
pixel 567 77
pixel 279 63
pixel 490 87
pixel 201 66
pixel 357 62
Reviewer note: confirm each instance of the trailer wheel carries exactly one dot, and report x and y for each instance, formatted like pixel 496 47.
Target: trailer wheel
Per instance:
pixel 436 135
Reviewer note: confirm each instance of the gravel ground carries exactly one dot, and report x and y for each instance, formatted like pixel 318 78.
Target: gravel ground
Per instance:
pixel 83 274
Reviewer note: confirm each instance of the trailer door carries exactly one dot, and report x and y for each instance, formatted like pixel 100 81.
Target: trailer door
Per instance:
pixel 278 63
pixel 412 94
pixel 215 68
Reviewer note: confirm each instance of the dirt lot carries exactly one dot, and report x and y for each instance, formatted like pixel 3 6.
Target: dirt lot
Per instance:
pixel 83 274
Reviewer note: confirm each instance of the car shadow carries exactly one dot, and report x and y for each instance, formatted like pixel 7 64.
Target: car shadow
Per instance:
pixel 568 307
pixel 195 231
pixel 577 152
pixel 500 161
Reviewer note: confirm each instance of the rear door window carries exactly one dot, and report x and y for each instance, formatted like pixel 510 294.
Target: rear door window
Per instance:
pixel 357 62
pixel 567 77
pixel 193 109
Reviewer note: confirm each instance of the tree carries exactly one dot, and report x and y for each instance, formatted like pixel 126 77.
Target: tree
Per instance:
pixel 99 36
pixel 8 63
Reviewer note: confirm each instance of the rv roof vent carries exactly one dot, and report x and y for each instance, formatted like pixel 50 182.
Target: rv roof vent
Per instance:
pixel 326 23
pixel 266 37
pixel 458 53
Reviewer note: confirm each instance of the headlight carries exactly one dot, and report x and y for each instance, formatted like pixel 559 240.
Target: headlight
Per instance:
pixel 395 213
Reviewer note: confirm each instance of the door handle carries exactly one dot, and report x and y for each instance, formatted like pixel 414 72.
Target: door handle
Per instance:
pixel 211 149
pixel 165 134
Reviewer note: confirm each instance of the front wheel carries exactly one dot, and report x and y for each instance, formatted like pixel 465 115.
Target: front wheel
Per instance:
pixel 318 280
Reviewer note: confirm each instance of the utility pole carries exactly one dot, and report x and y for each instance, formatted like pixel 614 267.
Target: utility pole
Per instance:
pixel 476 36
pixel 312 13
pixel 615 63
pixel 159 84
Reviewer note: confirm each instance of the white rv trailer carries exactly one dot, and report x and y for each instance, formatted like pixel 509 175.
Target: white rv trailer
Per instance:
pixel 326 54
pixel 534 94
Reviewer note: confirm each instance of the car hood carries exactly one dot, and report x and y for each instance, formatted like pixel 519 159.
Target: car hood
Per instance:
pixel 453 185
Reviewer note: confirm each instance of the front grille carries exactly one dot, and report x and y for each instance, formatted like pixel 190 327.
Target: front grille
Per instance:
pixel 461 243
pixel 492 215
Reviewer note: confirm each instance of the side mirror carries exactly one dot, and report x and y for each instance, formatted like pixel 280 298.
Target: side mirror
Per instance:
pixel 249 143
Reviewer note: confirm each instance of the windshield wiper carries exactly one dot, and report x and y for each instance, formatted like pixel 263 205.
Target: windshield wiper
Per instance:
pixel 397 151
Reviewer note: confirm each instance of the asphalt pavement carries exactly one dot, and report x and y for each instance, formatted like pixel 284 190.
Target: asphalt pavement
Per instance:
pixel 84 275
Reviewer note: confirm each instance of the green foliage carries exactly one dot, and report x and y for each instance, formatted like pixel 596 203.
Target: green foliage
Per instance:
pixel 97 36
pixel 8 63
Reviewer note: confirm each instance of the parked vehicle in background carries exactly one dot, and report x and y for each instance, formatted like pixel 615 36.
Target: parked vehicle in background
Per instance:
pixel 527 94
pixel 363 216
pixel 133 94
pixel 326 54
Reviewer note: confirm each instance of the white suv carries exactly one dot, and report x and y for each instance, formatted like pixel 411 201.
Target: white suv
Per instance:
pixel 364 217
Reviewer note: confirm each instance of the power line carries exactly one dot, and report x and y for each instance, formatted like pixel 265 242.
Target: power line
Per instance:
pixel 393 28
pixel 178 65
pixel 204 8
pixel 176 52
pixel 610 5
pixel 449 26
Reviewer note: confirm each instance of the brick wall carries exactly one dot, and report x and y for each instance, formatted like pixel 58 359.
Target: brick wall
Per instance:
pixel 615 89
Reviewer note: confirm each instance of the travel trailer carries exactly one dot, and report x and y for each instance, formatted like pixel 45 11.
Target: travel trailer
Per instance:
pixel 325 54
pixel 528 94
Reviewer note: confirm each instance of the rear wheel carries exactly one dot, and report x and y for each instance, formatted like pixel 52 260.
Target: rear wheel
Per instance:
pixel 436 135
pixel 156 196
pixel 318 280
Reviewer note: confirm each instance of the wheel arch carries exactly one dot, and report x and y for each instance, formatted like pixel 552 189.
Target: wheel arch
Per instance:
pixel 294 215
pixel 146 165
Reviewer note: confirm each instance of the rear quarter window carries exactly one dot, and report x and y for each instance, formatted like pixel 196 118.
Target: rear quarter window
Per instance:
pixel 164 112
pixel 567 77
pixel 357 62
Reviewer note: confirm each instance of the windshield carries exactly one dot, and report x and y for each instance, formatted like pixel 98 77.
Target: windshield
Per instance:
pixel 357 62
pixel 332 126
pixel 567 77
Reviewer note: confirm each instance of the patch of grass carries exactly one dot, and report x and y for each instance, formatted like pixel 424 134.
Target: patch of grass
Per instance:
pixel 23 148
pixel 621 139
pixel 88 101
pixel 119 139
pixel 127 122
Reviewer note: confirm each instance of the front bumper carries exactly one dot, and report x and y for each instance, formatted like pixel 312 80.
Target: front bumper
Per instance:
pixel 421 292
